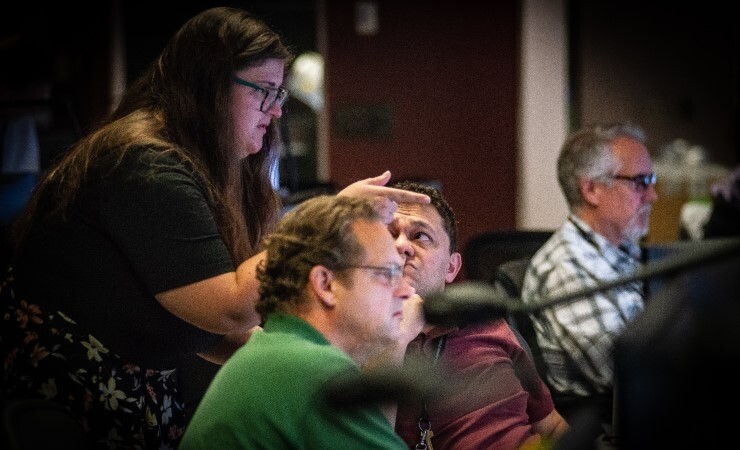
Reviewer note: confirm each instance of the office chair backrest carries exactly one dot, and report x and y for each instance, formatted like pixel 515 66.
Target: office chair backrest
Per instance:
pixel 509 276
pixel 482 257
pixel 486 251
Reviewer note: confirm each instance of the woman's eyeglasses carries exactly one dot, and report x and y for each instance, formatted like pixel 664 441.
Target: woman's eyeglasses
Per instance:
pixel 272 95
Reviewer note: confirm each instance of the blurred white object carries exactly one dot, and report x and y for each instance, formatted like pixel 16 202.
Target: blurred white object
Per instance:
pixel 694 215
pixel 306 80
pixel 683 168
pixel 685 173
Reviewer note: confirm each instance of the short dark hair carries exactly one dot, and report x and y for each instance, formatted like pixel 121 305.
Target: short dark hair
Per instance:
pixel 316 232
pixel 440 204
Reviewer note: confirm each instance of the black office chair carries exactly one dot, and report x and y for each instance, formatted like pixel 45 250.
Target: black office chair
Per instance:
pixel 482 257
pixel 37 424
pixel 485 252
pixel 509 278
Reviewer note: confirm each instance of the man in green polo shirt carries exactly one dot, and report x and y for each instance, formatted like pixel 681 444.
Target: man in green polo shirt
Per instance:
pixel 333 299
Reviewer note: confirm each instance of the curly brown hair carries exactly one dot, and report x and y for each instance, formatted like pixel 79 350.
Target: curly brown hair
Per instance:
pixel 316 232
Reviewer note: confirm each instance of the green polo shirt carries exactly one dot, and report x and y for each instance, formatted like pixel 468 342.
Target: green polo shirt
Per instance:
pixel 269 395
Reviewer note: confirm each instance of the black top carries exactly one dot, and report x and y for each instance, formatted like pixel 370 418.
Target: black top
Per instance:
pixel 132 232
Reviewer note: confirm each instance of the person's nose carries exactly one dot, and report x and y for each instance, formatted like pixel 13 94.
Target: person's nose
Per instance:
pixel 276 110
pixel 403 246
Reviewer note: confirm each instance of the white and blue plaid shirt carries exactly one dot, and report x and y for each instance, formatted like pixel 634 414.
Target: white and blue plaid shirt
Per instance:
pixel 577 337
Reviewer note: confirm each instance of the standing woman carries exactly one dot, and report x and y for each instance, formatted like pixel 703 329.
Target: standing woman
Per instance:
pixel 140 244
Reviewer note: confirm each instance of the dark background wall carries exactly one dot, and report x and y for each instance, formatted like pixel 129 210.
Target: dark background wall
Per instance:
pixel 436 90
pixel 150 24
pixel 670 66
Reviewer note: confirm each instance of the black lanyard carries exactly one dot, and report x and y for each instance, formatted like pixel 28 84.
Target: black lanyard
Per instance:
pixel 425 424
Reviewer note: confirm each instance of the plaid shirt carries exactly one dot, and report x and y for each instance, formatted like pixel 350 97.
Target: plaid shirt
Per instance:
pixel 577 337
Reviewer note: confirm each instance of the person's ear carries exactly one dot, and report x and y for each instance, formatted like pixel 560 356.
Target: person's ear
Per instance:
pixel 453 267
pixel 322 283
pixel 591 190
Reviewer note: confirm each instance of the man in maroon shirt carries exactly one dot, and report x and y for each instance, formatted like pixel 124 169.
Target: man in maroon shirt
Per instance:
pixel 506 404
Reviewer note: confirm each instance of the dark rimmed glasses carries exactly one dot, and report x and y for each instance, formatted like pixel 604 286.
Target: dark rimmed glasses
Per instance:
pixel 272 95
pixel 392 275
pixel 640 182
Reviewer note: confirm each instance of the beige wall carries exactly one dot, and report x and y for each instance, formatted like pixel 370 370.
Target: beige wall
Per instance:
pixel 543 117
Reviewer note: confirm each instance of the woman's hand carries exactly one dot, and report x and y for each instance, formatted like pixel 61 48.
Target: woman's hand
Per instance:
pixel 384 198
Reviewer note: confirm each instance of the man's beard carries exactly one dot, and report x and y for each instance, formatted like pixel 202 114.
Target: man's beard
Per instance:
pixel 639 225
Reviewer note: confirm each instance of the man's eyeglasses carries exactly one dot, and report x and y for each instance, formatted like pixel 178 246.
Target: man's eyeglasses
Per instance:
pixel 640 182
pixel 392 274
pixel 272 95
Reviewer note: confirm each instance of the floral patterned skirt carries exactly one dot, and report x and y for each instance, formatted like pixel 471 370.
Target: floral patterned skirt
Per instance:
pixel 120 405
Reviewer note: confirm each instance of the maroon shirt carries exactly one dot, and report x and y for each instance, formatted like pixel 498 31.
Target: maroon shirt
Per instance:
pixel 503 395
